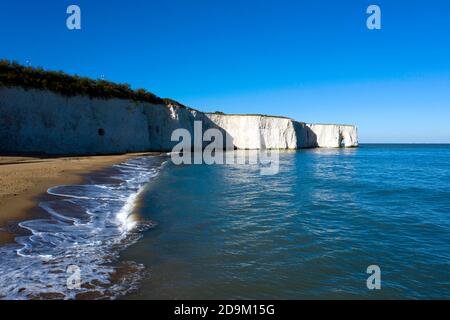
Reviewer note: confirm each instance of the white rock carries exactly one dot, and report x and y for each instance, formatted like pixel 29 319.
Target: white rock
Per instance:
pixel 38 121
pixel 257 131
pixel 333 135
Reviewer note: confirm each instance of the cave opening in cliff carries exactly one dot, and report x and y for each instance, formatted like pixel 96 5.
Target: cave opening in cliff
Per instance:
pixel 101 132
pixel 341 141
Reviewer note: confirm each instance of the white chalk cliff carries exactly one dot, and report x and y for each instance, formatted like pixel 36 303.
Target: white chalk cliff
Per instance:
pixel 36 121
pixel 333 135
pixel 259 131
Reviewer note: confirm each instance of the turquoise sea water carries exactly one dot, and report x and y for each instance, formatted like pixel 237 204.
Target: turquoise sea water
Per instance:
pixel 150 229
pixel 310 231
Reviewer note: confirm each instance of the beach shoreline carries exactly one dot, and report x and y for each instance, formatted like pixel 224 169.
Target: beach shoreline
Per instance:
pixel 24 178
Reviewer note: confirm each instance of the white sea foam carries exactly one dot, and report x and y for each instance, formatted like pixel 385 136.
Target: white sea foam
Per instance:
pixel 87 227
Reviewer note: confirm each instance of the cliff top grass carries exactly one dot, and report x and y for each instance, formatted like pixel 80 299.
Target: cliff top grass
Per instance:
pixel 13 74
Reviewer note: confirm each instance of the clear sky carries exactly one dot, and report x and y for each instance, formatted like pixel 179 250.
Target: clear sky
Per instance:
pixel 314 61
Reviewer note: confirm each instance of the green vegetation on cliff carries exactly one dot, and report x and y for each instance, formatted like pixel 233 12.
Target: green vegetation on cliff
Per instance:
pixel 14 74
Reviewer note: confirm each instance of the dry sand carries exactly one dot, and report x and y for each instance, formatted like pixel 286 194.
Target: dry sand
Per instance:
pixel 24 178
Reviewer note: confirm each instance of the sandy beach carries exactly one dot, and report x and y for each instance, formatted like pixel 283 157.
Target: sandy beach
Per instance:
pixel 24 178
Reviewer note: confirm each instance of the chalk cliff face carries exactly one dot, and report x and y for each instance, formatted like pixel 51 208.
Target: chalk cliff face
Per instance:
pixel 257 132
pixel 35 121
pixel 163 120
pixel 332 136
pixel 45 122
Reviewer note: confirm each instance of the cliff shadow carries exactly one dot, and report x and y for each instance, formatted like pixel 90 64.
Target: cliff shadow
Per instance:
pixel 306 138
pixel 164 120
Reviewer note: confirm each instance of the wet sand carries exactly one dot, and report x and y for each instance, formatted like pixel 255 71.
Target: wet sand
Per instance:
pixel 22 179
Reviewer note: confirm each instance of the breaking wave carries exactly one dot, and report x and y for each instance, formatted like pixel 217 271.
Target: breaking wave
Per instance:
pixel 87 227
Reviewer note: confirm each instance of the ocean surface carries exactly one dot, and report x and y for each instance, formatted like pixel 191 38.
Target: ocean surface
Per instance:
pixel 149 229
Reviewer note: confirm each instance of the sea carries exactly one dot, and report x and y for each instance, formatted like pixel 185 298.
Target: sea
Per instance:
pixel 362 223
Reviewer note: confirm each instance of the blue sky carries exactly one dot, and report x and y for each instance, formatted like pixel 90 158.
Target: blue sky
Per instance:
pixel 314 61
